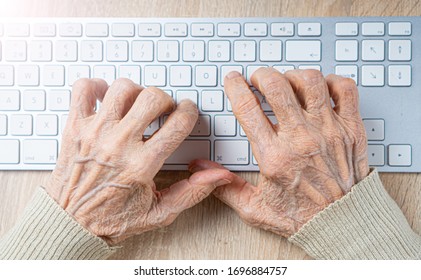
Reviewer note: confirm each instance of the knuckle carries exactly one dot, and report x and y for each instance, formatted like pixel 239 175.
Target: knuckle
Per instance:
pixel 125 85
pixel 273 82
pixel 247 105
pixel 312 77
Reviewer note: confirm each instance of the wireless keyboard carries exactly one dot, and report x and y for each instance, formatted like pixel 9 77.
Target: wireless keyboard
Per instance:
pixel 41 58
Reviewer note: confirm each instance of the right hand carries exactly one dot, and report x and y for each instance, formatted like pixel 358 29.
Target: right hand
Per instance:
pixel 311 158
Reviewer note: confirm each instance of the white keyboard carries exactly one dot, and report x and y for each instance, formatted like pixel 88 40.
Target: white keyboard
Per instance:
pixel 188 58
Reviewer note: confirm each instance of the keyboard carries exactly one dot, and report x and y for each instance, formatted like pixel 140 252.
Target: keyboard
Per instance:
pixel 41 58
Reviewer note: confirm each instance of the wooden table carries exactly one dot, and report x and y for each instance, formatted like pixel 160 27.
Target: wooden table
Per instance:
pixel 210 230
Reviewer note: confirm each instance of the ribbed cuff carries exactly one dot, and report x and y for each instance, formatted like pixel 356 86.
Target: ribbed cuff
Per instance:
pixel 46 231
pixel 364 224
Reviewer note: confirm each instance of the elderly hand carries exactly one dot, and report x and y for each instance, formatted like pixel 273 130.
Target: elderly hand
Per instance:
pixel 105 171
pixel 312 157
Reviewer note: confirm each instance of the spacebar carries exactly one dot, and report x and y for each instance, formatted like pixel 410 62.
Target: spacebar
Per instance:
pixel 190 150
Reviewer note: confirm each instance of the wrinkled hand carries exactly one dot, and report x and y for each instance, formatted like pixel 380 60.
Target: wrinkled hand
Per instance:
pixel 312 157
pixel 104 174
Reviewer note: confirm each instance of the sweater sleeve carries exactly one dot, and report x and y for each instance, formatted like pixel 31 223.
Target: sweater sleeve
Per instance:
pixel 364 224
pixel 46 231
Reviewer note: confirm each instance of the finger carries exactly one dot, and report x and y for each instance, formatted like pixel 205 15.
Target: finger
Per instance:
pixel 238 194
pixel 85 93
pixel 169 137
pixel 189 192
pixel 247 110
pixel 149 105
pixel 119 99
pixel 279 94
pixel 344 93
pixel 311 90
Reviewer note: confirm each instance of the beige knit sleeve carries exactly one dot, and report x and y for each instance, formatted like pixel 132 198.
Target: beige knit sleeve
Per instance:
pixel 365 224
pixel 46 231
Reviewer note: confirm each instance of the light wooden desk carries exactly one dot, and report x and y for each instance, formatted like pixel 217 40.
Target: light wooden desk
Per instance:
pixel 210 230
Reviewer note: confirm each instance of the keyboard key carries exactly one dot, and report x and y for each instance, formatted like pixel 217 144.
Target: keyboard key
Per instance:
pixel 225 125
pixel 34 100
pixel 175 29
pixel 263 103
pixel 202 126
pixel 44 29
pixel 41 51
pixel 280 29
pixel 219 51
pixel 180 75
pixel 66 50
pixel 117 51
pixel 155 75
pixel 149 29
pixel 310 66
pixel 346 29
pixel 206 75
pixel 77 72
pixel 251 70
pixel 168 51
pixel 400 155
pixel 346 50
pixel 245 50
pixel 374 129
pixel 131 72
pixel 202 29
pixel 53 75
pixel 400 50
pixel 1 30
pixel 372 50
pixel 21 125
pixel 105 72
pixel 229 30
pixel 15 51
pixel 375 155
pixel 234 152
pixel 63 122
pixel 225 69
pixel 301 50
pixel 372 75
pixel 17 29
pixel 28 75
pixel 70 30
pixel 9 151
pixel 193 51
pixel 96 30
pixel 142 51
pixel 400 75
pixel 212 100
pixel 46 125
pixel 309 29
pixel 40 151
pixel 91 51
pixel 190 150
pixel 400 28
pixel 7 74
pixel 283 68
pixel 152 128
pixel 9 100
pixel 187 94
pixel 347 71
pixel 59 100
pixel 255 29
pixel 122 30
pixel 3 125
pixel 373 29
pixel 270 50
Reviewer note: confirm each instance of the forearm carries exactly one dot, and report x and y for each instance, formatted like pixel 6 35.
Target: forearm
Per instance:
pixel 364 224
pixel 46 231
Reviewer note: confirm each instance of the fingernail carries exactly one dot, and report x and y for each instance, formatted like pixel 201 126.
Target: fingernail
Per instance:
pixel 222 182
pixel 232 75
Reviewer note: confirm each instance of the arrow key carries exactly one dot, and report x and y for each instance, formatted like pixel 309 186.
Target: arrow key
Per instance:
pixel 400 155
pixel 375 155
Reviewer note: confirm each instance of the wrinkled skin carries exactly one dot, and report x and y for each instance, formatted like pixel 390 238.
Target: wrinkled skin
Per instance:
pixel 105 170
pixel 312 157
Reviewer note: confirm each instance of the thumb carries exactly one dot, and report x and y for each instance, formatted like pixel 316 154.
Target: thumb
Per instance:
pixel 189 192
pixel 237 194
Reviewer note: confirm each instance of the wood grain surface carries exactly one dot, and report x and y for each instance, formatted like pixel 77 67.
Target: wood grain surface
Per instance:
pixel 209 230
